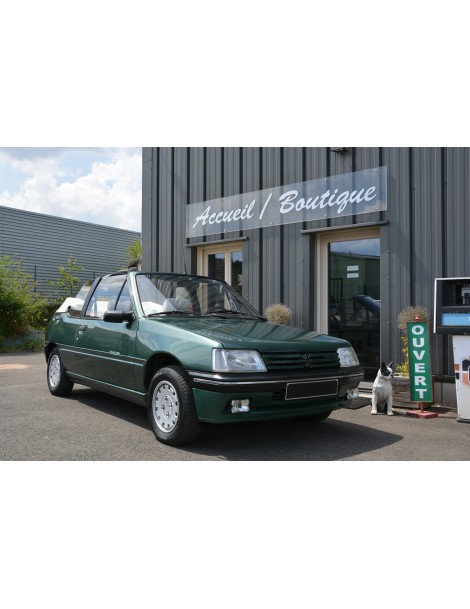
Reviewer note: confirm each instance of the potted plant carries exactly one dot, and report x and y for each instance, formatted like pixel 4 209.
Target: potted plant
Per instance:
pixel 401 380
pixel 278 314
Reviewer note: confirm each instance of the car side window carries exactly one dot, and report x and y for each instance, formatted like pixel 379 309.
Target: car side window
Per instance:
pixel 105 296
pixel 124 300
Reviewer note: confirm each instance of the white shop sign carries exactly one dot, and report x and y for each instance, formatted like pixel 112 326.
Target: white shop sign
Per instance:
pixel 360 192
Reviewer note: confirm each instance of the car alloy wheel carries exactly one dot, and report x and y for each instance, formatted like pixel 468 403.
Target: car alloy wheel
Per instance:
pixel 171 408
pixel 54 371
pixel 57 380
pixel 166 406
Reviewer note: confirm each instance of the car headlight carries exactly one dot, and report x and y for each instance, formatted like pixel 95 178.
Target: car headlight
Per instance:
pixel 347 357
pixel 237 360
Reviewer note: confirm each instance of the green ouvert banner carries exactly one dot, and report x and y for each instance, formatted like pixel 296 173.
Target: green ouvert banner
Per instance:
pixel 420 362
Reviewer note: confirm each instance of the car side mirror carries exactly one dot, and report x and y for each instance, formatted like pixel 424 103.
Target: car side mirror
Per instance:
pixel 117 317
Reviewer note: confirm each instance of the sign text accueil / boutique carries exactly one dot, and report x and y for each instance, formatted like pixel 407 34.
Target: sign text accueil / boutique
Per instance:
pixel 355 193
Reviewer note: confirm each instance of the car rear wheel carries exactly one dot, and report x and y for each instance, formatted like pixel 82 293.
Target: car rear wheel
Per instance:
pixel 171 408
pixel 57 379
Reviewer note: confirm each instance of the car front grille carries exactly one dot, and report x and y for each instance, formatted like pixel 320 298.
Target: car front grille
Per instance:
pixel 301 361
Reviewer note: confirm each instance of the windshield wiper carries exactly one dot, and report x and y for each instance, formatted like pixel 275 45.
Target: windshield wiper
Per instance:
pixel 221 312
pixel 224 313
pixel 169 313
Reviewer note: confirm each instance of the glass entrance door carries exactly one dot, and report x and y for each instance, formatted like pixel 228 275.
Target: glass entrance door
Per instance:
pixel 354 298
pixel 223 262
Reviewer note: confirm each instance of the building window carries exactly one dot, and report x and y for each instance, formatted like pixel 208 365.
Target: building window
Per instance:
pixel 224 262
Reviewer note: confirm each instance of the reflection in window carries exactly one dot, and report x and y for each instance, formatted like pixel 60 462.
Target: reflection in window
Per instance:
pixel 236 268
pixel 163 294
pixel 105 296
pixel 354 298
pixel 216 266
pixel 124 300
pixel 226 266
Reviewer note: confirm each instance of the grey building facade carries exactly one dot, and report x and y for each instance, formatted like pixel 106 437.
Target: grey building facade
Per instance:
pixel 413 227
pixel 46 242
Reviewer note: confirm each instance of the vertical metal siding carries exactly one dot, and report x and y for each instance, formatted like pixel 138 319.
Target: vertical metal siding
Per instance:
pixel 165 219
pixel 253 251
pixel 292 258
pixel 196 180
pixel 426 260
pixel 426 235
pixel 365 158
pixel 456 221
pixel 181 260
pixel 398 161
pixel 149 206
pixel 196 175
pixel 342 162
pixel 273 244
pixel 213 179
pixel 458 213
pixel 232 171
pixel 427 211
pixel 214 173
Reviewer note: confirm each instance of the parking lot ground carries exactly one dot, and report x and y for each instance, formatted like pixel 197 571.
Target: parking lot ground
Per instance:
pixel 92 426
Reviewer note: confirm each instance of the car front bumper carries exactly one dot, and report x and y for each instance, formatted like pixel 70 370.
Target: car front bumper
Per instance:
pixel 271 395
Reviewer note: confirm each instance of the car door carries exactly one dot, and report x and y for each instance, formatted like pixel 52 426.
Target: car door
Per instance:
pixel 105 350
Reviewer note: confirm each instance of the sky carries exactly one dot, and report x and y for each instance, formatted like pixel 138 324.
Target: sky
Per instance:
pixel 98 185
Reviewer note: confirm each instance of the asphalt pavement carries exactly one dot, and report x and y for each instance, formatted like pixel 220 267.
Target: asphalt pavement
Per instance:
pixel 92 426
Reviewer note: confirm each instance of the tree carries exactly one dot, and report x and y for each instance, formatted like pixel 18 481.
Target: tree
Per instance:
pixel 21 308
pixel 134 251
pixel 68 283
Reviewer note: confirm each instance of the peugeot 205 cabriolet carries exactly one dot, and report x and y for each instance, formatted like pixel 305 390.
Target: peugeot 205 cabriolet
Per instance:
pixel 191 350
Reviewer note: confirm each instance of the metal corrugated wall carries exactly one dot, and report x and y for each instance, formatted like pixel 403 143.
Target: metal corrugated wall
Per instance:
pixel 45 242
pixel 425 235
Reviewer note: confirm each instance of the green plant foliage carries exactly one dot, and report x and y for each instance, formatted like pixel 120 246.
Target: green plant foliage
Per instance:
pixel 68 283
pixel 21 308
pixel 134 251
pixel 410 313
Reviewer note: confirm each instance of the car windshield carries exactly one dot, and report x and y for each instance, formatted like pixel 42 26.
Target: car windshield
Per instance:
pixel 167 294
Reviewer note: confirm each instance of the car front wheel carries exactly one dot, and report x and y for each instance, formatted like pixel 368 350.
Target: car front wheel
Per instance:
pixel 57 379
pixel 171 408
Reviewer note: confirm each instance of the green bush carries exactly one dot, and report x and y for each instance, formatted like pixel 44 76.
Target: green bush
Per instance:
pixel 68 282
pixel 134 251
pixel 21 309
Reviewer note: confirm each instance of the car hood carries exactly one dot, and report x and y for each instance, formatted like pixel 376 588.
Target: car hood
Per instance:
pixel 252 334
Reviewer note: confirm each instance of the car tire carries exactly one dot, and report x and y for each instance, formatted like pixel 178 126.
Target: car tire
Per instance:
pixel 57 380
pixel 171 408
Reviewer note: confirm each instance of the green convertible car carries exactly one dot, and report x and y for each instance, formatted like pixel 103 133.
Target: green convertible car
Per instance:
pixel 191 349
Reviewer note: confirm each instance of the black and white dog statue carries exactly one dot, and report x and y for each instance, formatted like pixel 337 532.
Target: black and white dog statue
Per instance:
pixel 382 390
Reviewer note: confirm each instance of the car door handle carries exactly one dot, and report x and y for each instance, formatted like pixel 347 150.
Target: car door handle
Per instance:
pixel 82 329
